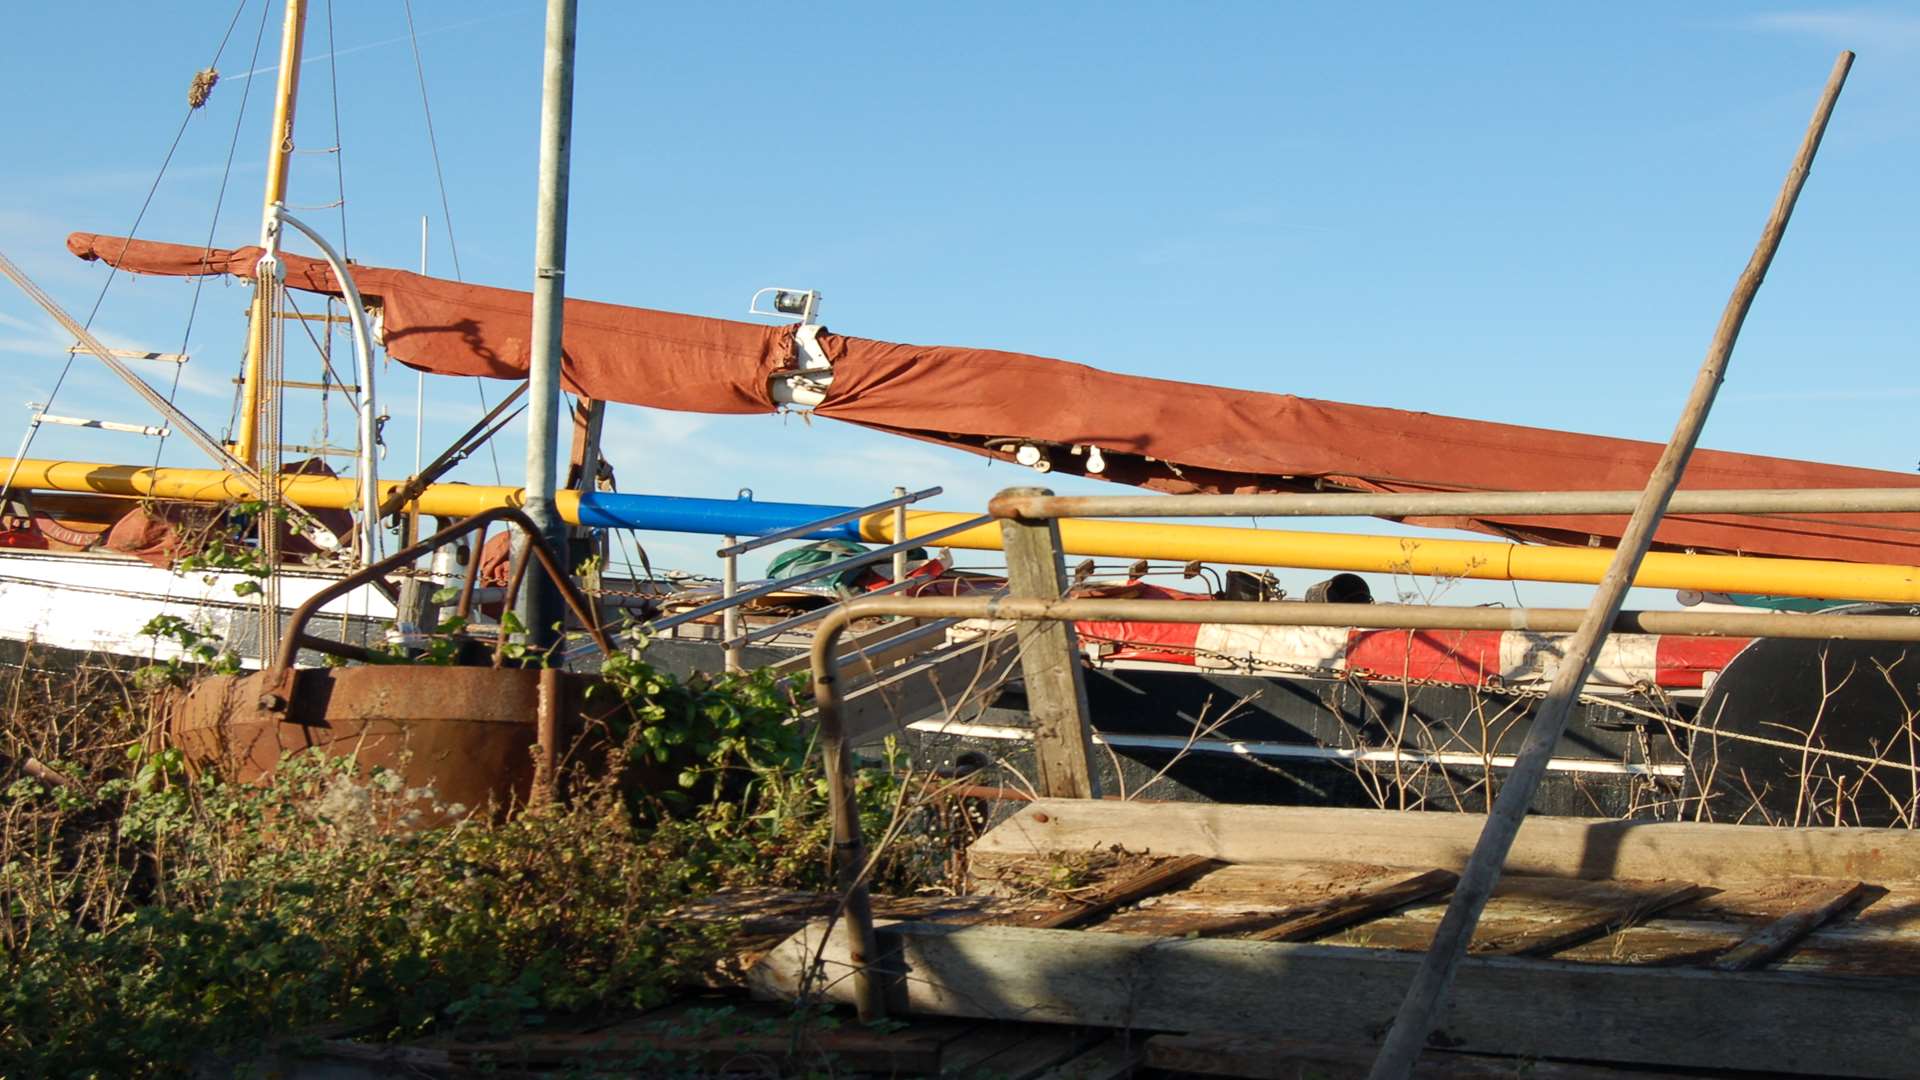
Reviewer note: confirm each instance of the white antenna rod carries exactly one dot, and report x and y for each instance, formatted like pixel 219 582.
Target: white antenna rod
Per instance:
pixel 420 377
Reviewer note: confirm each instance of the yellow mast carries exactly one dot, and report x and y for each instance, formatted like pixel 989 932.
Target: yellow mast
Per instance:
pixel 1487 560
pixel 246 442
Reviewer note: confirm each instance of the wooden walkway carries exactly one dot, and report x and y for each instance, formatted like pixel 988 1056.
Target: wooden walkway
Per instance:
pixel 1651 945
pixel 1105 939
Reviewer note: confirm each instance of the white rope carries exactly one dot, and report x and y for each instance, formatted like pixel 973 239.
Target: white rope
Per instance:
pixel 1798 748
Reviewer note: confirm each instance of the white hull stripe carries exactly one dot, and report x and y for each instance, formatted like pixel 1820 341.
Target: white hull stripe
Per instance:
pixel 1262 749
pixel 1464 657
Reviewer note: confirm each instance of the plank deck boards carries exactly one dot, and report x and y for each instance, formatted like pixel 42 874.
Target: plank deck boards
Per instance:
pixel 1664 1017
pixel 1564 847
pixel 1526 916
pixel 1144 880
pixel 1781 935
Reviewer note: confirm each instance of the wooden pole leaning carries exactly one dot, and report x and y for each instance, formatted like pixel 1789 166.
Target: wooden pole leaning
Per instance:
pixel 1049 660
pixel 1418 1012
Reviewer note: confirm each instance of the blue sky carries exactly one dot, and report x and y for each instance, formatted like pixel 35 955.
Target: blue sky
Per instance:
pixel 1528 213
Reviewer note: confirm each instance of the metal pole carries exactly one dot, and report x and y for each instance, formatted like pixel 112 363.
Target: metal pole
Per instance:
pixel 1415 1021
pixel 1457 504
pixel 730 618
pixel 899 533
pixel 368 458
pixel 815 574
pixel 849 846
pixel 537 607
pixel 1742 624
pixel 838 517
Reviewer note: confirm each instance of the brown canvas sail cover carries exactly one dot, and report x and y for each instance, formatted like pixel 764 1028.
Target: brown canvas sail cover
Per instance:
pixel 1155 433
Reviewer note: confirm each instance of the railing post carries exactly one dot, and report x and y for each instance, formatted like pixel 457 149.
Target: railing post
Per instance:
pixel 730 618
pixel 1049 659
pixel 899 534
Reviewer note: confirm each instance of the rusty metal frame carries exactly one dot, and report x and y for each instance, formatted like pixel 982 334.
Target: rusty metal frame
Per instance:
pixel 296 637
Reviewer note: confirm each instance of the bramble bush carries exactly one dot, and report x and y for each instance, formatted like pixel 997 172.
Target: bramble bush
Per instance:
pixel 152 915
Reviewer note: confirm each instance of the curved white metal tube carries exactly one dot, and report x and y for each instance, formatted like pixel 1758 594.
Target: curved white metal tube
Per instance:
pixel 370 550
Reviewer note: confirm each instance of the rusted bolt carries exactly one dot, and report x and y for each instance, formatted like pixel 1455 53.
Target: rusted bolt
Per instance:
pixel 1042 817
pixel 273 702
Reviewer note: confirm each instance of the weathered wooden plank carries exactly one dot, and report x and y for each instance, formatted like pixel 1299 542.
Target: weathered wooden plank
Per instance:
pixel 1671 1017
pixel 1357 907
pixel 1695 932
pixel 1777 937
pixel 1586 926
pixel 1049 660
pixel 1236 890
pixel 1308 920
pixel 1882 938
pixel 1158 877
pixel 1561 847
pixel 762 910
pixel 1529 915
pixel 1287 1059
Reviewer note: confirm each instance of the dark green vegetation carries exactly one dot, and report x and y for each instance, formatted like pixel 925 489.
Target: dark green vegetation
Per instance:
pixel 152 916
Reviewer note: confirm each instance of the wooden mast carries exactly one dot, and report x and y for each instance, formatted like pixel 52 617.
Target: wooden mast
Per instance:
pixel 246 441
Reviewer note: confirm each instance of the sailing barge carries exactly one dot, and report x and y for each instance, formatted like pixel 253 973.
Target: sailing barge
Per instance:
pixel 1331 714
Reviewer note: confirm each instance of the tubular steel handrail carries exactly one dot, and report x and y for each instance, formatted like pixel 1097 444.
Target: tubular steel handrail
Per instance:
pixel 818 572
pixel 800 531
pixel 295 638
pixel 1455 504
pixel 850 846
pixel 761 633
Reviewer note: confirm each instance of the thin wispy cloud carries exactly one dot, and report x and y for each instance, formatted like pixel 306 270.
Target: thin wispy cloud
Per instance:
pixel 381 44
pixel 1862 394
pixel 19 324
pixel 1882 30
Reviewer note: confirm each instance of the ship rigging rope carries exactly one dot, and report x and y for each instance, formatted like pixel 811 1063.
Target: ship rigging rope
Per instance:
pixel 433 145
pixel 193 106
pixel 213 226
pixel 339 151
pixel 446 207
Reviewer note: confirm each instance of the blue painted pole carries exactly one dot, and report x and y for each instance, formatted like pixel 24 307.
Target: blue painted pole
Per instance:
pixel 715 517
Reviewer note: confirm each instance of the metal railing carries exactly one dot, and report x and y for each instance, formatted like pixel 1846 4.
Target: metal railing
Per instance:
pixel 900 498
pixel 732 597
pixel 1454 503
pixel 1051 672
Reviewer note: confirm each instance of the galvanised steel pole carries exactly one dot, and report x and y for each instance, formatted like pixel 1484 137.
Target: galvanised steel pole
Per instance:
pixel 537 607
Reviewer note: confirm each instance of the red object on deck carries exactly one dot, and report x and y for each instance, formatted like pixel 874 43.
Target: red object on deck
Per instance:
pixel 1154 433
pixel 1451 657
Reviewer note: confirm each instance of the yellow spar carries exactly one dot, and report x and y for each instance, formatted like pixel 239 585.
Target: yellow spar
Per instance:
pixel 1482 559
pixel 1421 557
